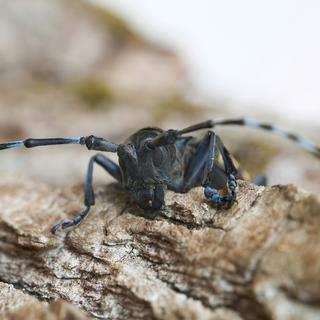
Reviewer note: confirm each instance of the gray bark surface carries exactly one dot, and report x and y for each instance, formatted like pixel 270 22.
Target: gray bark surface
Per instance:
pixel 258 260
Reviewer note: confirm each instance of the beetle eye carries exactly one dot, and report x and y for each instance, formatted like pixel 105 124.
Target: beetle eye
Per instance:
pixel 158 156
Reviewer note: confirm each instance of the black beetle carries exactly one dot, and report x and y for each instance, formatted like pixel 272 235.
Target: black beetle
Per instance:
pixel 153 160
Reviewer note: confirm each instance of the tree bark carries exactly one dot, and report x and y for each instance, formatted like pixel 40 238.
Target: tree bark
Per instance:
pixel 258 260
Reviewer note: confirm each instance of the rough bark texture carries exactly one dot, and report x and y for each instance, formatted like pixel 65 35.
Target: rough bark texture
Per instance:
pixel 258 260
pixel 16 305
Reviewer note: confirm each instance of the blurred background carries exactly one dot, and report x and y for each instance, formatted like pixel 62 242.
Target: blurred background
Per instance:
pixel 76 67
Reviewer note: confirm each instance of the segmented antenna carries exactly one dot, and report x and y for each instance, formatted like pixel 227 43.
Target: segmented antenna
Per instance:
pixel 30 143
pixel 304 143
pixel 170 136
pixel 91 142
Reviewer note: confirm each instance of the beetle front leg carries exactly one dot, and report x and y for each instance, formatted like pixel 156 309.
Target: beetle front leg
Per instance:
pixel 228 200
pixel 89 199
pixel 231 171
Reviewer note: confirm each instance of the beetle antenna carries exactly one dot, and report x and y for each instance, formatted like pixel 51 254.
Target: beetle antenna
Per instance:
pixel 91 142
pixel 305 144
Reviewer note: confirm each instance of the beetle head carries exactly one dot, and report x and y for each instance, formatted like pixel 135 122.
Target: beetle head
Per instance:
pixel 145 173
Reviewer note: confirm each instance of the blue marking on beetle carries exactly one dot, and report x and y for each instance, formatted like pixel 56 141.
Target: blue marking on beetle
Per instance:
pixel 280 132
pixel 73 140
pixel 208 192
pixel 257 124
pixel 15 144
pixel 307 145
pixel 251 123
pixel 216 198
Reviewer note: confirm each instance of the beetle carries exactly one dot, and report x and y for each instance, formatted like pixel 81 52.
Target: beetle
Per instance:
pixel 153 160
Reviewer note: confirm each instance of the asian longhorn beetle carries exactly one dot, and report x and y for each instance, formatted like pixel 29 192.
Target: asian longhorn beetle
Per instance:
pixel 153 160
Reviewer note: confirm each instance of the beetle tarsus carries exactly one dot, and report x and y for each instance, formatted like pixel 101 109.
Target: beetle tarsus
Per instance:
pixel 69 223
pixel 226 201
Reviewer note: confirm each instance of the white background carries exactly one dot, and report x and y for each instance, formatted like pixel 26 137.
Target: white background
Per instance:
pixel 255 54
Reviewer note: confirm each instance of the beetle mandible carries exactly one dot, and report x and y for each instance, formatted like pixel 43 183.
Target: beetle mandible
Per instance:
pixel 153 160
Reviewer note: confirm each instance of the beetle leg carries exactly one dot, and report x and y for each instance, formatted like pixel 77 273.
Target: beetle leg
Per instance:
pixel 201 167
pixel 111 167
pixel 225 200
pixel 211 158
pixel 231 172
pixel 69 223
pixel 198 162
pixel 89 200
